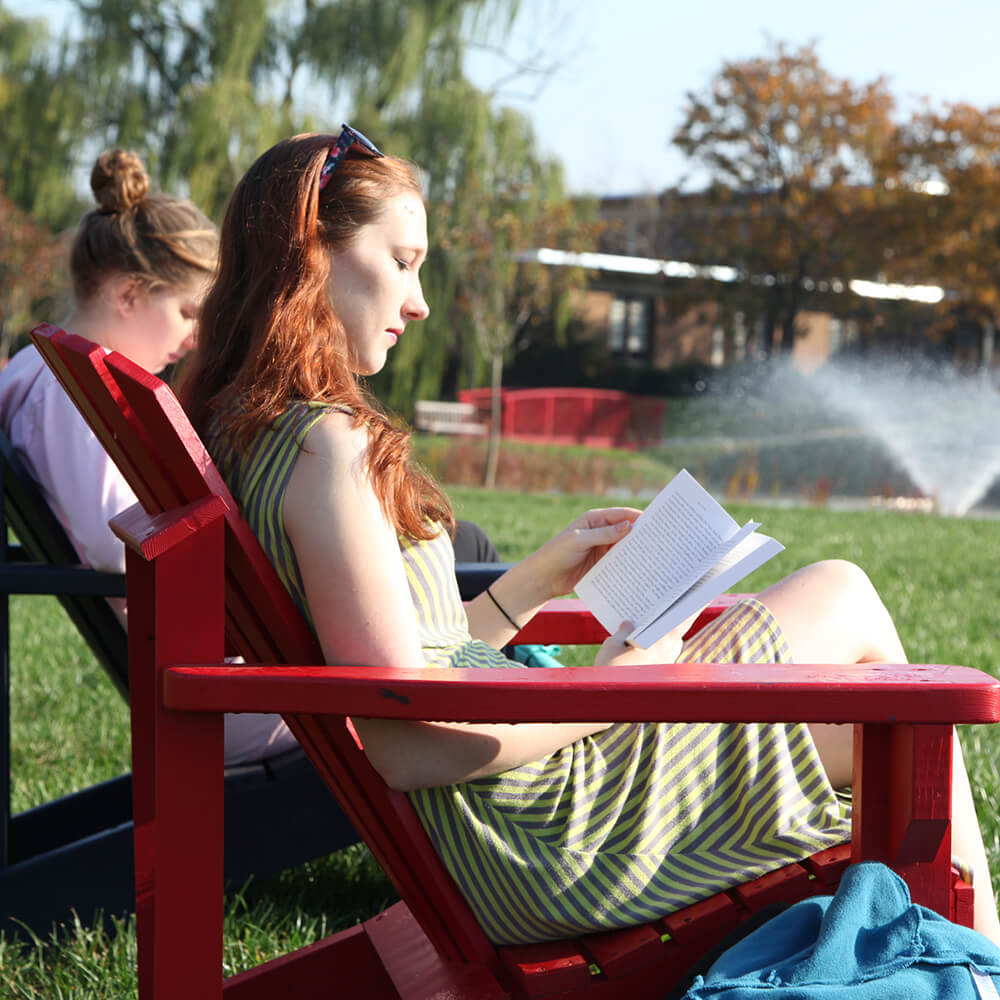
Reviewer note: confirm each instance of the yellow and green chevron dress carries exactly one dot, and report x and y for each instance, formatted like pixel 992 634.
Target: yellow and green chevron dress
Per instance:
pixel 615 829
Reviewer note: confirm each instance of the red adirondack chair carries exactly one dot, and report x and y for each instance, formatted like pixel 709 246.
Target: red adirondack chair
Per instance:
pixel 198 583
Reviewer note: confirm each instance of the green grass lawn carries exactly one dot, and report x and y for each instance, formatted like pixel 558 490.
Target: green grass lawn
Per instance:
pixel 940 578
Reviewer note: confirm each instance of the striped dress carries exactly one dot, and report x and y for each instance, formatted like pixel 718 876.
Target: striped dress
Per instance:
pixel 615 829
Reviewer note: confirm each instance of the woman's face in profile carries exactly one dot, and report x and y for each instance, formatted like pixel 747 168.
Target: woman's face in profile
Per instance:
pixel 374 282
pixel 161 326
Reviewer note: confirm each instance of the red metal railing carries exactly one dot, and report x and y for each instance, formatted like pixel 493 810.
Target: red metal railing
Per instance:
pixel 600 418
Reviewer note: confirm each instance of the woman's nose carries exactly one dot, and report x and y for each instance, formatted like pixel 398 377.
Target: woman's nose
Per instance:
pixel 415 307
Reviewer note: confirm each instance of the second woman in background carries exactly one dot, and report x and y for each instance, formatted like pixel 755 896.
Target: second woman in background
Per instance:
pixel 140 264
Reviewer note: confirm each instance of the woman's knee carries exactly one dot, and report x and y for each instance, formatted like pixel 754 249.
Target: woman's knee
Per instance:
pixel 859 607
pixel 845 580
pixel 829 584
pixel 830 612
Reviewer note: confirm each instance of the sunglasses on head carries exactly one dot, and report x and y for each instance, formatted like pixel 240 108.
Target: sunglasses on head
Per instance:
pixel 350 139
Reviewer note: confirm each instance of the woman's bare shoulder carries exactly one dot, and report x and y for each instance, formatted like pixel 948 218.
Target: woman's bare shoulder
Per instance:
pixel 335 436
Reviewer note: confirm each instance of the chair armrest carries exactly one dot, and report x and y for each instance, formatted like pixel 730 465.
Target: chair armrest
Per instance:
pixel 567 620
pixel 37 578
pixel 689 692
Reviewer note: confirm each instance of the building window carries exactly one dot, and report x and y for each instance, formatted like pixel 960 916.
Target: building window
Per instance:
pixel 739 336
pixel 630 329
pixel 718 356
pixel 843 333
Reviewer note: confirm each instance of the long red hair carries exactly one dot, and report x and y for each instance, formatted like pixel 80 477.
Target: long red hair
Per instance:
pixel 268 334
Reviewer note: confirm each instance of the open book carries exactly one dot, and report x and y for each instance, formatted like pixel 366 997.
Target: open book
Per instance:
pixel 682 552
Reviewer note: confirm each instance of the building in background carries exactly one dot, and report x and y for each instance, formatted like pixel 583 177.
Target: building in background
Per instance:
pixel 654 306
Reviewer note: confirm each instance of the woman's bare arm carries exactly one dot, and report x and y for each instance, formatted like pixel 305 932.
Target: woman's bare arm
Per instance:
pixel 360 602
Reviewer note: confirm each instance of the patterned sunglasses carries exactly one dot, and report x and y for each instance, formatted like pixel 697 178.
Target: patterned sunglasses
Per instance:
pixel 349 139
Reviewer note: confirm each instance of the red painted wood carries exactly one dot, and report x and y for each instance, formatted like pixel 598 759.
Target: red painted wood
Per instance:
pixel 787 884
pixel 343 965
pixel 177 767
pixel 417 970
pixel 143 683
pixel 280 632
pixel 698 927
pixel 921 818
pixel 81 367
pixel 617 953
pixel 828 866
pixel 963 903
pixel 153 536
pixel 546 968
pixel 566 620
pixel 597 417
pixel 902 784
pixel 870 784
pixel 691 692
pixel 144 430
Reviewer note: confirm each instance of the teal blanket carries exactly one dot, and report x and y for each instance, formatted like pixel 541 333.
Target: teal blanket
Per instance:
pixel 867 942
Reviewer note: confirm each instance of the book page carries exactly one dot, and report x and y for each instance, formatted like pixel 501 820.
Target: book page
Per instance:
pixel 669 547
pixel 752 551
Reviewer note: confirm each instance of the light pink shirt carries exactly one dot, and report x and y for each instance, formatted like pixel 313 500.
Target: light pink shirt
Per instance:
pixel 84 489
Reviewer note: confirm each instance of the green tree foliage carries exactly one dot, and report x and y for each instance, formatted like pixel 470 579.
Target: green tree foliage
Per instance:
pixel 504 199
pixel 200 87
pixel 42 107
pixel 798 160
pixel 491 195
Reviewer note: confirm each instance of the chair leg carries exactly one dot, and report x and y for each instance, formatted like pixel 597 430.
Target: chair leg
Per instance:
pixel 902 781
pixel 177 766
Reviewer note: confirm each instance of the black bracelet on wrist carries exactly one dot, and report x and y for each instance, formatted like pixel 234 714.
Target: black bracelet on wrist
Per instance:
pixel 514 625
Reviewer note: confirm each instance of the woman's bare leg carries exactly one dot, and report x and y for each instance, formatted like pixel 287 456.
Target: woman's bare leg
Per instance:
pixel 967 843
pixel 831 613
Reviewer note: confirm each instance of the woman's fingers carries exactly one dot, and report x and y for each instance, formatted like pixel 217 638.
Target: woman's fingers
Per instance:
pixel 601 516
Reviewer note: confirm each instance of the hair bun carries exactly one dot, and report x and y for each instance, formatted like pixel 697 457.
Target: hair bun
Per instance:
pixel 119 181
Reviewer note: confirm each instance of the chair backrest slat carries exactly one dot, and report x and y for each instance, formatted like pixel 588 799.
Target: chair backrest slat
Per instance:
pixel 262 620
pixel 80 367
pixel 45 542
pixel 143 427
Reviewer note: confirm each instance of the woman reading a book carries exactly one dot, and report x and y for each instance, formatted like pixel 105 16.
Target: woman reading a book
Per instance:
pixel 549 830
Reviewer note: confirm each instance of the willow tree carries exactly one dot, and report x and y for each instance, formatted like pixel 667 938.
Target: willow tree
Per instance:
pixel 43 111
pixel 491 194
pixel 200 87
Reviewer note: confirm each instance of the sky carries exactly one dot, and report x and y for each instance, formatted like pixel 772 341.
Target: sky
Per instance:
pixel 620 69
pixel 624 67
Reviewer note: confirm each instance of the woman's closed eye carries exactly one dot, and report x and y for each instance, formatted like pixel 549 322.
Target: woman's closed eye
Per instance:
pixel 401 264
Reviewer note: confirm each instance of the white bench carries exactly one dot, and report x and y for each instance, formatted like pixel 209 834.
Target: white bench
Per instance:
pixel 439 417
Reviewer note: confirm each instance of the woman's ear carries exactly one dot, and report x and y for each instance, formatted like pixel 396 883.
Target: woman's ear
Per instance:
pixel 124 292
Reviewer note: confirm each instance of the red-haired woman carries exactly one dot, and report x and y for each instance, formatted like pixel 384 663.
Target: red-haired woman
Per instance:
pixel 549 830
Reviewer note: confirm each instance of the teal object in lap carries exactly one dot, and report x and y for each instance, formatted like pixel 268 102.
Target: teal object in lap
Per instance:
pixel 536 655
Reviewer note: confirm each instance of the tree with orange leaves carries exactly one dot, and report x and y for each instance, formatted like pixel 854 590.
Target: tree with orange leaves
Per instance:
pixel 798 162
pixel 950 199
pixel 30 272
